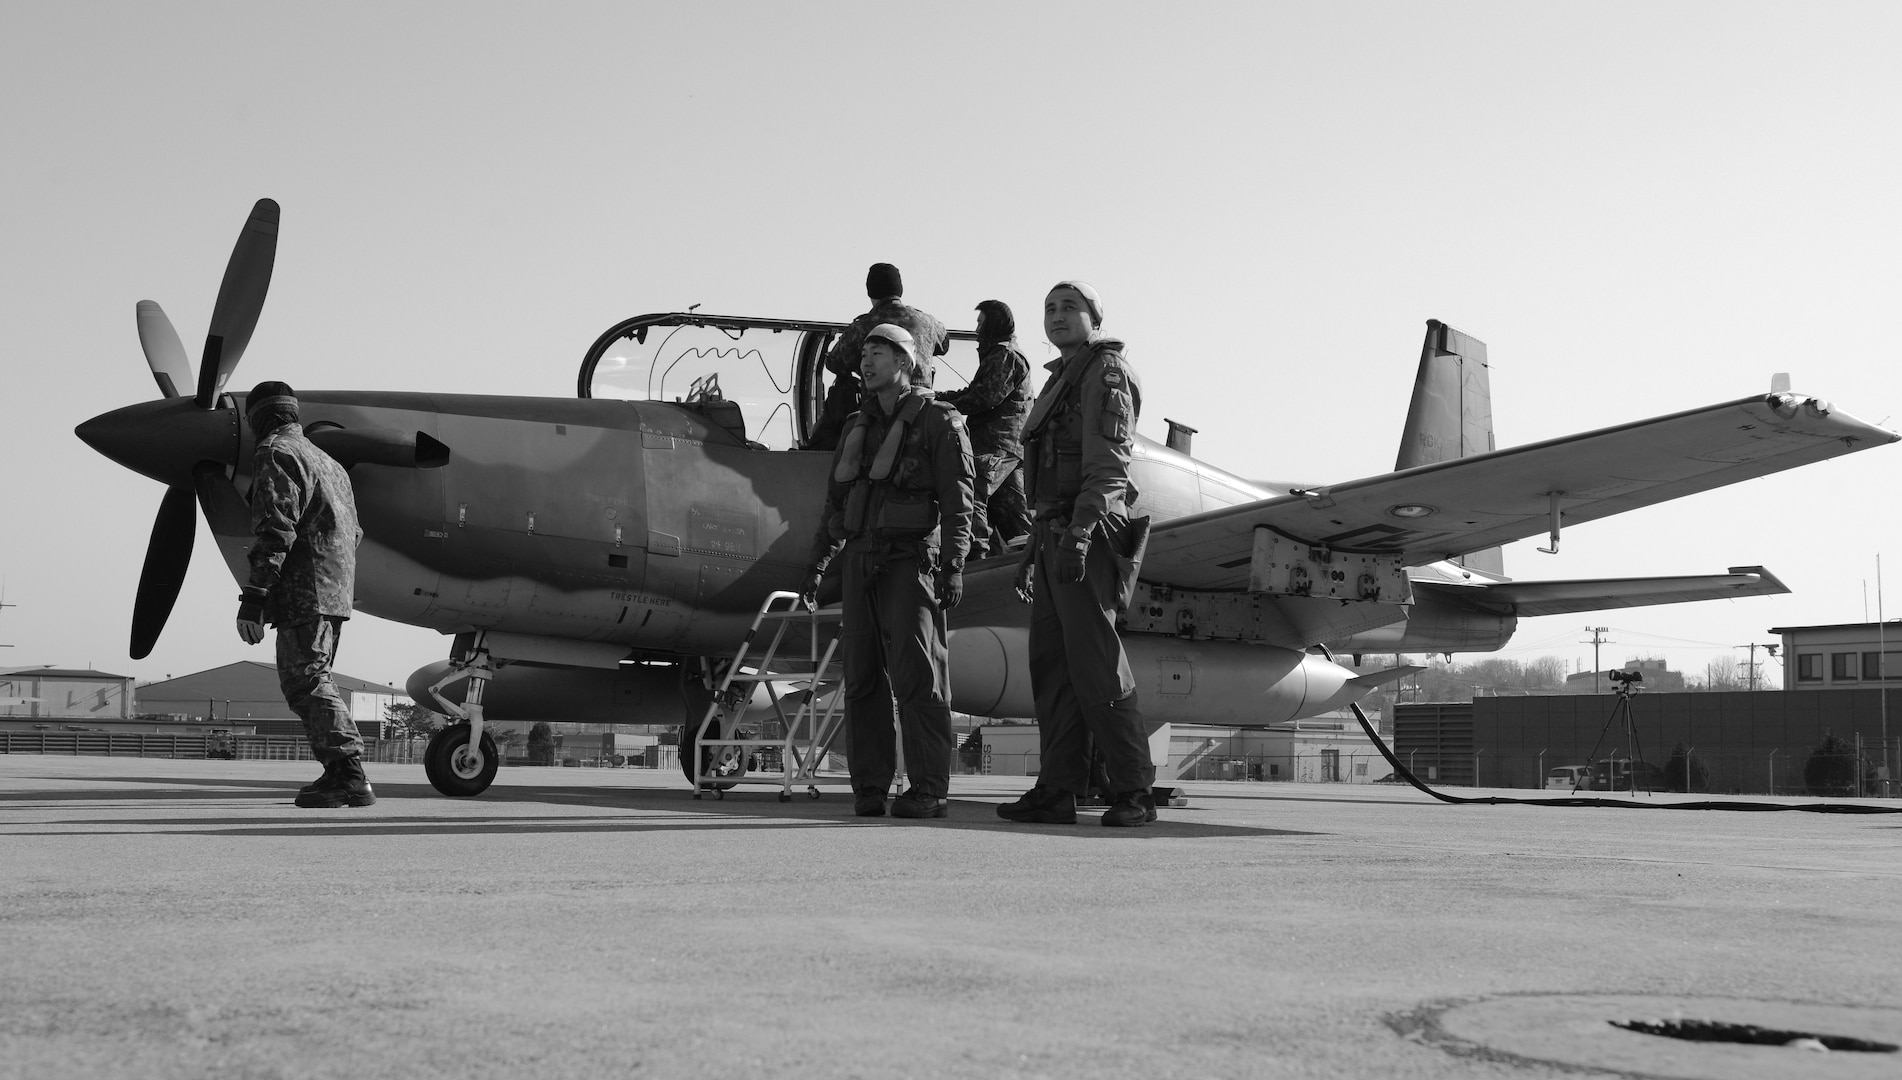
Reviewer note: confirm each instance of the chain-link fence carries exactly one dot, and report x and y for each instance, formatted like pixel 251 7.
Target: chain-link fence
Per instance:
pixel 1320 767
pixel 165 745
pixel 1853 772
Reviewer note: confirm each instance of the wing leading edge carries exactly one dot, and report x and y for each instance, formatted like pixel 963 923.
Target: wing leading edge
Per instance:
pixel 1446 509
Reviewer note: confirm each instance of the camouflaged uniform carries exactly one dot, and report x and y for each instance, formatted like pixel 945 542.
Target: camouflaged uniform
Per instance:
pixel 304 518
pixel 995 402
pixel 842 360
pixel 1077 443
pixel 891 534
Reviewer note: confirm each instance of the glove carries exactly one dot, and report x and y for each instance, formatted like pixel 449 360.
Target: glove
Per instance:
pixel 1071 553
pixel 251 615
pixel 1027 576
pixel 950 588
pixel 809 591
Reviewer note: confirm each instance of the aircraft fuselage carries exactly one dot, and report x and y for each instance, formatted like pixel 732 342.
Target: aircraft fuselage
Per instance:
pixel 644 525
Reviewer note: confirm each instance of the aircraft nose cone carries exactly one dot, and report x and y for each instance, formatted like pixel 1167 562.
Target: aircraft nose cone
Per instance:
pixel 164 439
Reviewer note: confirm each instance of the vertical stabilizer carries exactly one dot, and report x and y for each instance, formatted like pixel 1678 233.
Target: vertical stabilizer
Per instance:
pixel 1452 412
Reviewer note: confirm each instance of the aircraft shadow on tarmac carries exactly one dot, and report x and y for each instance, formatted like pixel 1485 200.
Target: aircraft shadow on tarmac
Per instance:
pixel 739 811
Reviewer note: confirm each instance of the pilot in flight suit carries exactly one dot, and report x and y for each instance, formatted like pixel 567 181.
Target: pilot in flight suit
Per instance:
pixel 1080 558
pixel 898 506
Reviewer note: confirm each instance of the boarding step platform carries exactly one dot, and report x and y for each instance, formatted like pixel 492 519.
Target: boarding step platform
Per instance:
pixel 788 747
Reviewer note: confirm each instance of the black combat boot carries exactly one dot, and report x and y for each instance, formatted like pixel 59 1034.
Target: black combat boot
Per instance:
pixel 869 803
pixel 1041 806
pixel 1131 808
pixel 351 788
pixel 914 804
pixel 328 779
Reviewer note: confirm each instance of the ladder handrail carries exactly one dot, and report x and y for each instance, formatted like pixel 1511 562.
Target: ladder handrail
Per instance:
pixel 819 724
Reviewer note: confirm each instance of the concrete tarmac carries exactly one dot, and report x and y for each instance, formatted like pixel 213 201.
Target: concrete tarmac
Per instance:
pixel 165 919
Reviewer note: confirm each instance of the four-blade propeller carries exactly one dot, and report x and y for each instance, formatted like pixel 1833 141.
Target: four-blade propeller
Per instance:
pixel 240 300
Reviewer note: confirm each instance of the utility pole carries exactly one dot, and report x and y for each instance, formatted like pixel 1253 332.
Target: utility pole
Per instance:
pixel 1598 639
pixel 1752 662
pixel 1882 696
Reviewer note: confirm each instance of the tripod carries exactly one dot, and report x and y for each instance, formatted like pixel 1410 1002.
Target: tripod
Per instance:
pixel 1634 752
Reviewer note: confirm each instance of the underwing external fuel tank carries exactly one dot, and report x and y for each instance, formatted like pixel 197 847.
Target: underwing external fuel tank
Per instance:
pixel 1224 683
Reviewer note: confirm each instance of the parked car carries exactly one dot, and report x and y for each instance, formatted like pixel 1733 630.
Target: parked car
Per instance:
pixel 1569 778
pixel 1617 774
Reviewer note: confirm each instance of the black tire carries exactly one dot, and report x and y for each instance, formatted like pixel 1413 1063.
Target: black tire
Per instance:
pixel 693 759
pixel 448 765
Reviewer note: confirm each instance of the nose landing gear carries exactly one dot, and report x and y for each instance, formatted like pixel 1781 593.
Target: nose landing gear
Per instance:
pixel 461 759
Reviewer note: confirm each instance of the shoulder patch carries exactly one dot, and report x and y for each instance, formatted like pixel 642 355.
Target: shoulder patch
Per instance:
pixel 1112 377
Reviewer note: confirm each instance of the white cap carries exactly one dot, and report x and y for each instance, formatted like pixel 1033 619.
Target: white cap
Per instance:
pixel 898 336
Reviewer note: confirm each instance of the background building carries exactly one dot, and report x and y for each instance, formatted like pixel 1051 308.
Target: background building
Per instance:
pixel 65 694
pixel 1323 749
pixel 1658 677
pixel 1842 656
pixel 247 692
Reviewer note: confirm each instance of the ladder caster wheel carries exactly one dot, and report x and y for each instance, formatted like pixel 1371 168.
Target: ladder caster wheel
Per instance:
pixel 812 792
pixel 720 794
pixel 785 796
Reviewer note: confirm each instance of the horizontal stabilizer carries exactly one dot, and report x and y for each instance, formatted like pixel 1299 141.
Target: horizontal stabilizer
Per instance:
pixel 1526 599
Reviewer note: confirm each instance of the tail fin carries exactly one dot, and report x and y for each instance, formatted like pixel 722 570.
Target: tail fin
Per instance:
pixel 1452 413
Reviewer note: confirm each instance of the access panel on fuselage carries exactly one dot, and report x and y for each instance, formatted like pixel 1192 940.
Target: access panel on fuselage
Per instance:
pixel 727 524
pixel 542 517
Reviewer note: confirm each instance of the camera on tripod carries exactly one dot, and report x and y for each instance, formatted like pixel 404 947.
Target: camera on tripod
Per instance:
pixel 1626 678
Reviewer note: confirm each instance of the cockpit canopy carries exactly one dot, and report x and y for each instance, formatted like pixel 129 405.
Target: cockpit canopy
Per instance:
pixel 764 377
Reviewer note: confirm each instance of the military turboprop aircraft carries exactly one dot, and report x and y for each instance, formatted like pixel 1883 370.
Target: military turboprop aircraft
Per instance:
pixel 598 559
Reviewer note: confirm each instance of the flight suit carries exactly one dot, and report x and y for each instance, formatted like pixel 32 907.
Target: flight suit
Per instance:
pixel 304 519
pixel 995 402
pixel 1077 449
pixel 898 508
pixel 842 360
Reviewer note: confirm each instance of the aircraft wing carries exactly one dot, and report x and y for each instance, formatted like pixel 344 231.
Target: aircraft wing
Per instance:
pixel 1526 599
pixel 1448 508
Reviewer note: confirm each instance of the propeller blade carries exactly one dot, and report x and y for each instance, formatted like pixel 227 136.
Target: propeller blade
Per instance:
pixel 240 300
pixel 164 353
pixel 167 556
pixel 228 515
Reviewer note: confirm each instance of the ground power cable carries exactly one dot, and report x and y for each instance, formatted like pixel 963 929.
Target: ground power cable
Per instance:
pixel 1632 804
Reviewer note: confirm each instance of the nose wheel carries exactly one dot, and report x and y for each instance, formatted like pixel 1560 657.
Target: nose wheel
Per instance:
pixel 454 767
pixel 716 761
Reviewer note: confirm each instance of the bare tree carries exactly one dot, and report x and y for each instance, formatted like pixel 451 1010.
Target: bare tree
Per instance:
pixel 1721 673
pixel 409 720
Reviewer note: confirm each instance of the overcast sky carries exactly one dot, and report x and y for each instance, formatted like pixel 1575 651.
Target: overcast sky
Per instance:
pixel 1641 208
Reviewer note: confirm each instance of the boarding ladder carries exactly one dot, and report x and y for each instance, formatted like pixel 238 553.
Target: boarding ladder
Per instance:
pixel 796 741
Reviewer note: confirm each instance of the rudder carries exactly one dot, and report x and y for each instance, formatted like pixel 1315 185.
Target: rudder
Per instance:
pixel 1452 413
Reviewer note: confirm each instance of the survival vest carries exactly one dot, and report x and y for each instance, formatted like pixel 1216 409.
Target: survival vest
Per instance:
pixel 893 492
